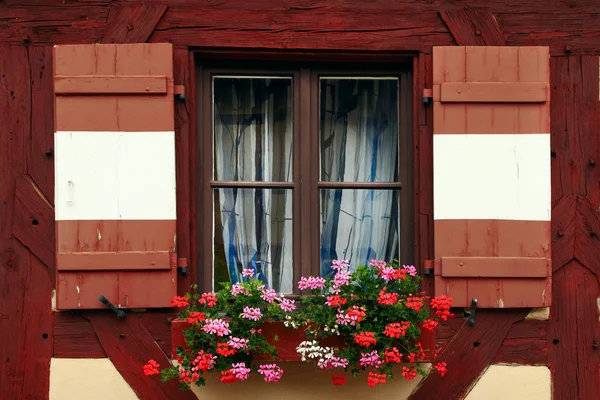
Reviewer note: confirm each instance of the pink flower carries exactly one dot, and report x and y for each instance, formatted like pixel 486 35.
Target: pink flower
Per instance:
pixel 217 327
pixel 339 362
pixel 338 265
pixel 378 263
pixel 240 371
pixel 387 273
pixel 252 313
pixel 351 317
pixel 247 272
pixel 287 305
pixel 412 271
pixel 371 359
pixel 238 343
pixel 271 372
pixel 237 288
pixel 340 279
pixel 311 283
pixel 269 295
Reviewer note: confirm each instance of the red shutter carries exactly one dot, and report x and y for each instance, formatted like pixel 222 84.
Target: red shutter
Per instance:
pixel 115 175
pixel 492 175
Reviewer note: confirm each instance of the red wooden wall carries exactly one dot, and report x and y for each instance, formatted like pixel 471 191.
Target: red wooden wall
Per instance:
pixel 32 334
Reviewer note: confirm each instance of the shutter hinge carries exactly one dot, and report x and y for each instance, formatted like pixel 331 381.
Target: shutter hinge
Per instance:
pixel 428 267
pixel 182 265
pixel 179 92
pixel 427 96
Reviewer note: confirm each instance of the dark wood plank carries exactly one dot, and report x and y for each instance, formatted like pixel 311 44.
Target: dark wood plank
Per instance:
pixel 132 23
pixel 526 343
pixel 573 333
pixel 33 222
pixel 468 354
pixel 183 74
pixel 158 324
pixel 40 158
pixel 129 346
pixel 473 27
pixel 74 337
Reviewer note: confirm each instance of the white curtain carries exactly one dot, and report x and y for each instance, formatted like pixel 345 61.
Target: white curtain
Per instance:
pixel 359 143
pixel 253 142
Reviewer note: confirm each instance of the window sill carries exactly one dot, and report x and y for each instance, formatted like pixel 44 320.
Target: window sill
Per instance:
pixel 289 338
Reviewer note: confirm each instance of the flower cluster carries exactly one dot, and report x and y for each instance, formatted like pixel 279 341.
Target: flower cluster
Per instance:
pixel 378 311
pixel 225 332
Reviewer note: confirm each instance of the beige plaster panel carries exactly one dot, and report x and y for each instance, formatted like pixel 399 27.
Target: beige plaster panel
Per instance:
pixel 305 381
pixel 87 379
pixel 502 382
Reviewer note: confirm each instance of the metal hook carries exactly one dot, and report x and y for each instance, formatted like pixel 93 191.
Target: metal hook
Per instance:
pixel 471 320
pixel 104 300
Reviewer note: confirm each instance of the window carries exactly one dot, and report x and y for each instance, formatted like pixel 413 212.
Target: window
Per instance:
pixel 300 167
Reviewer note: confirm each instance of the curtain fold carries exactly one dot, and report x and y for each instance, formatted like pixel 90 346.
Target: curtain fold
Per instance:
pixel 359 143
pixel 253 142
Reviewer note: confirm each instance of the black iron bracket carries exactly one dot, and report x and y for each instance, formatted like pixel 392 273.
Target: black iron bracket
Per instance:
pixel 104 300
pixel 471 320
pixel 182 266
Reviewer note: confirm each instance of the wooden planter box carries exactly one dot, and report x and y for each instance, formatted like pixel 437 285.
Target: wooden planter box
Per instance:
pixel 289 339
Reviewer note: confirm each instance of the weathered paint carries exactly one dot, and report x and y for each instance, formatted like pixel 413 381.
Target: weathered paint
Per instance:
pixel 501 382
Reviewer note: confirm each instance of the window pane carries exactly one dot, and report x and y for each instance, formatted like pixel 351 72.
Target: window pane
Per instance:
pixel 358 225
pixel 359 129
pixel 253 229
pixel 253 129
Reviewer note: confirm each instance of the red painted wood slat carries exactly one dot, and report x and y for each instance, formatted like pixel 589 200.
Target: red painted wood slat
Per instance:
pixel 110 84
pixel 132 23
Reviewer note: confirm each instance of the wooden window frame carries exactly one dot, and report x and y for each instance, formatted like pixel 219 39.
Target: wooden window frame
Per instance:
pixel 306 172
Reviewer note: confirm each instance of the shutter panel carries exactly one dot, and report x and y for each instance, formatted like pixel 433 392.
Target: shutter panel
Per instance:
pixel 115 175
pixel 492 175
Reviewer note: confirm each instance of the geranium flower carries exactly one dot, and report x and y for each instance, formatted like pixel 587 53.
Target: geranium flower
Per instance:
pixel 339 379
pixel 378 263
pixel 269 295
pixel 375 378
pixel 196 317
pixel 371 359
pixel 208 299
pixel 270 372
pixel 441 368
pixel 415 303
pixel 251 313
pixel 228 377
pixel 188 376
pixel 387 273
pixel 339 265
pixel 238 343
pixel 387 299
pixel 409 373
pixel 151 368
pixel 351 317
pixel 396 330
pixel 410 269
pixel 430 324
pixel 442 305
pixel 216 327
pixel 365 339
pixel 240 371
pixel 287 305
pixel 335 301
pixel 311 283
pixel 392 355
pixel 180 301
pixel 246 272
pixel 204 361
pixel 341 278
pixel 237 288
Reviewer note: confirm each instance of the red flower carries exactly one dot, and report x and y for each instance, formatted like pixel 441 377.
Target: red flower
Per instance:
pixel 430 324
pixel 339 379
pixel 188 376
pixel 180 301
pixel 392 355
pixel 365 339
pixel 227 377
pixel 400 274
pixel 419 356
pixel 224 350
pixel 151 368
pixel 387 299
pixel 357 313
pixel 441 368
pixel 195 317
pixel 204 361
pixel 335 301
pixel 442 306
pixel 375 378
pixel 409 373
pixel 415 303
pixel 209 299
pixel 396 330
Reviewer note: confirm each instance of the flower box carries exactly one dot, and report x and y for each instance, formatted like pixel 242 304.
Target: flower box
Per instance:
pixel 289 338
